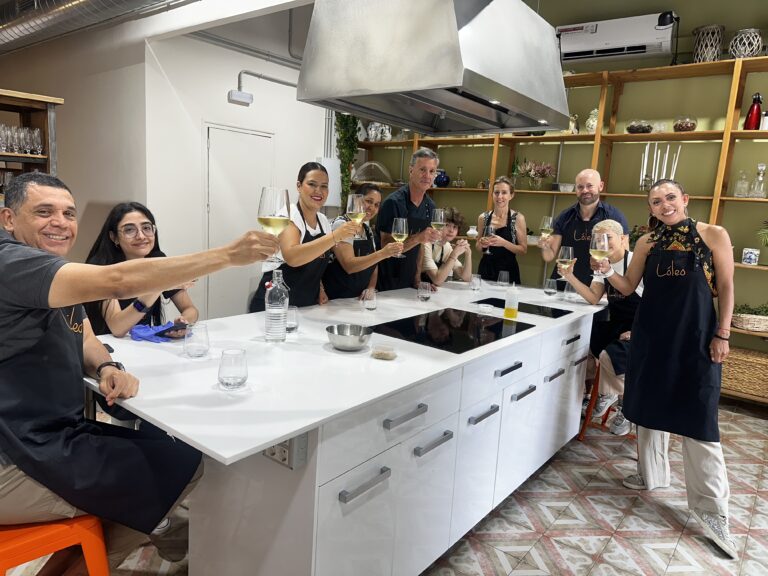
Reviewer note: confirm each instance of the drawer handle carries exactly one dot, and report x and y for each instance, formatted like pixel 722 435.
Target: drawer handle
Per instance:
pixel 390 423
pixel 517 397
pixel 420 451
pixel 571 340
pixel 475 420
pixel 346 496
pixel 555 376
pixel 580 360
pixel 516 366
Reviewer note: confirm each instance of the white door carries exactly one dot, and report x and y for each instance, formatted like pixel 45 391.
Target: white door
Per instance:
pixel 239 164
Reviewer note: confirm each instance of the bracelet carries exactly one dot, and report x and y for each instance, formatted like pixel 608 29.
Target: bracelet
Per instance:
pixel 139 306
pixel 112 363
pixel 721 337
pixel 610 272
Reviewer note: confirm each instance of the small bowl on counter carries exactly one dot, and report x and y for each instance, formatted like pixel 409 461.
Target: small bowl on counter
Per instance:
pixel 348 337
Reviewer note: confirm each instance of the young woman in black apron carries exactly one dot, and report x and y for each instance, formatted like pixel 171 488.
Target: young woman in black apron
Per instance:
pixel 306 243
pixel 441 258
pixel 353 267
pixel 677 348
pixel 509 238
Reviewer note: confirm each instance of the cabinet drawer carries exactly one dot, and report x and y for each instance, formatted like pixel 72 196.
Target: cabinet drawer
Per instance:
pixel 496 371
pixel 565 340
pixel 354 438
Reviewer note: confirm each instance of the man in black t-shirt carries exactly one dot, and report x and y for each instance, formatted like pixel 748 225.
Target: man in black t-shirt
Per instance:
pixel 410 202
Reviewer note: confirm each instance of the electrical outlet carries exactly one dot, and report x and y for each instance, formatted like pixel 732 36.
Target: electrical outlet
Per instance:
pixel 291 453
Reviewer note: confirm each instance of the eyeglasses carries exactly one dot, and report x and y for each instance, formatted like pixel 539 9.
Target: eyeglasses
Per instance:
pixel 130 231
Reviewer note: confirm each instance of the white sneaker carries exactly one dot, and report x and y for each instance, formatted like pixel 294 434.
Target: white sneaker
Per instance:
pixel 620 426
pixel 604 401
pixel 584 404
pixel 634 482
pixel 715 526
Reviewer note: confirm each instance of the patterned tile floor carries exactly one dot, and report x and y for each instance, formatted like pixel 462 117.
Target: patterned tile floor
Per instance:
pixel 575 518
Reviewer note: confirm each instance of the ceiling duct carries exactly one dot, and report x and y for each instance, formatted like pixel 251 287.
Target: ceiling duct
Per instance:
pixel 27 22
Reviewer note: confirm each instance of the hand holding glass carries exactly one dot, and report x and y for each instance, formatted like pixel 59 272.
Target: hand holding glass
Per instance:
pixel 565 256
pixel 274 213
pixel 233 369
pixel 438 222
pixel 488 233
pixel 399 232
pixel 598 249
pixel 545 229
pixel 356 210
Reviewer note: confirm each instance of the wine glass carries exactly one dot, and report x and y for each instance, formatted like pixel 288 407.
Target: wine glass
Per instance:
pixel 438 222
pixel 274 214
pixel 598 249
pixel 356 210
pixel 550 286
pixel 487 233
pixel 565 256
pixel 400 232
pixel 545 228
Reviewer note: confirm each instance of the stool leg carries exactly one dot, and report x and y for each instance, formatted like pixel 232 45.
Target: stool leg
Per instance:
pixel 95 551
pixel 591 405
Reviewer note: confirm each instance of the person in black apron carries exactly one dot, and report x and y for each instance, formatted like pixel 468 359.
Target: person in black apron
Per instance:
pixel 510 235
pixel 412 203
pixel 573 226
pixel 677 348
pixel 306 243
pixel 609 341
pixel 441 259
pixel 353 267
pixel 130 232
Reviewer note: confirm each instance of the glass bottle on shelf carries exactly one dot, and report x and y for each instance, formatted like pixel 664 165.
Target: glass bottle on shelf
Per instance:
pixel 458 182
pixel 752 121
pixel 757 190
pixel 741 186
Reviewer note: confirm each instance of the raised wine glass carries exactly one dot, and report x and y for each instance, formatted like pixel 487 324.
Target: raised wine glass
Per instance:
pixel 488 231
pixel 545 229
pixel 400 232
pixel 356 211
pixel 565 256
pixel 438 222
pixel 598 249
pixel 274 214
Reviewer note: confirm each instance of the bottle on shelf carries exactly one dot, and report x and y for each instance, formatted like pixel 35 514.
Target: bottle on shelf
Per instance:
pixel 458 182
pixel 741 186
pixel 764 121
pixel 276 308
pixel 757 189
pixel 754 115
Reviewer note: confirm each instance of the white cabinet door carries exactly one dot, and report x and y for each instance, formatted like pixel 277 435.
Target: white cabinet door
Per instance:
pixel 475 464
pixel 356 520
pixel 523 416
pixel 424 494
pixel 553 380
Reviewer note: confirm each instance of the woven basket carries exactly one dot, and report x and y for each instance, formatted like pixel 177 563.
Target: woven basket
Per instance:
pixel 751 322
pixel 746 371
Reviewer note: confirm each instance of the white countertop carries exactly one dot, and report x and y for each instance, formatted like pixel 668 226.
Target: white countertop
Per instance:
pixel 297 385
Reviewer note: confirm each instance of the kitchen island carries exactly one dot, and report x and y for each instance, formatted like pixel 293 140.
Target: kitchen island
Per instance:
pixel 403 457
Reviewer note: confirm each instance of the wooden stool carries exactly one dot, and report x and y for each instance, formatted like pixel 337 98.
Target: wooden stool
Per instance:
pixel 23 543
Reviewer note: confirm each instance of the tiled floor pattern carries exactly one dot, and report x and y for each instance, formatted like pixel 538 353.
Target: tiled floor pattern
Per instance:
pixel 575 518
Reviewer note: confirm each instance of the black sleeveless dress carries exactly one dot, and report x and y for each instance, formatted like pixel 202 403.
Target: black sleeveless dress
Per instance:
pixel 500 258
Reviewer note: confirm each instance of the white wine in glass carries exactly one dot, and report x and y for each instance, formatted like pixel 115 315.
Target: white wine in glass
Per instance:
pixel 488 231
pixel 565 256
pixel 598 249
pixel 400 231
pixel 274 213
pixel 355 210
pixel 545 229
pixel 438 221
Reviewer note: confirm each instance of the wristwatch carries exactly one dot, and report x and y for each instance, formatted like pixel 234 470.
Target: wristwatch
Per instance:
pixel 140 306
pixel 113 363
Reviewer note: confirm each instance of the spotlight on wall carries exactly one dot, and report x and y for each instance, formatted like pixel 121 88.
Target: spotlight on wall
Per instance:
pixel 240 98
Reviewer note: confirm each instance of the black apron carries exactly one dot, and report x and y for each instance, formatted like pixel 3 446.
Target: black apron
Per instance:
pixel 578 234
pixel 132 477
pixel 439 262
pixel 671 382
pixel 338 283
pixel 395 273
pixel 500 259
pixel 303 281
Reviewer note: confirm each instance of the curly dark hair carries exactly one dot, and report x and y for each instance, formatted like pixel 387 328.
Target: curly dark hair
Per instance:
pixel 453 216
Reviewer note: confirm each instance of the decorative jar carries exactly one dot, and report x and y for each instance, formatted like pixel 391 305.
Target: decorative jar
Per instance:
pixel 591 122
pixel 746 43
pixel 686 123
pixel 708 43
pixel 442 180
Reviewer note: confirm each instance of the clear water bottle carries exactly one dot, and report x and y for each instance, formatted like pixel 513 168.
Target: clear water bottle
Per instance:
pixel 276 307
pixel 741 187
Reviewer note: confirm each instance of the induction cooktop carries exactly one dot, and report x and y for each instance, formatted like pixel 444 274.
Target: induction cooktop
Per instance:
pixel 451 330
pixel 527 308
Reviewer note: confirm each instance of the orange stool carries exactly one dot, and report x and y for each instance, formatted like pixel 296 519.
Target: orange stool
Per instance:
pixel 23 543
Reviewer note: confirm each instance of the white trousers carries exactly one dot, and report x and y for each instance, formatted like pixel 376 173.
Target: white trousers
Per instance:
pixel 610 382
pixel 706 480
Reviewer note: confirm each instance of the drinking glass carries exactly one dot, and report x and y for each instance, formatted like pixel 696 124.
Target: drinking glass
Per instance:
pixel 355 210
pixel 274 213
pixel 438 222
pixel 233 369
pixel 487 233
pixel 565 256
pixel 503 279
pixel 196 343
pixel 598 249
pixel 545 228
pixel 292 319
pixel 425 291
pixel 400 232
pixel 550 286
pixel 475 282
pixel 368 299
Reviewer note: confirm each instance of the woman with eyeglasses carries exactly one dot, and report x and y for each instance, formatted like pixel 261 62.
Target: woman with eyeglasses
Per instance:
pixel 129 233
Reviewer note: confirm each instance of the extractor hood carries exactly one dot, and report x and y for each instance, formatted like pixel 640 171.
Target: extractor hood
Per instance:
pixel 436 66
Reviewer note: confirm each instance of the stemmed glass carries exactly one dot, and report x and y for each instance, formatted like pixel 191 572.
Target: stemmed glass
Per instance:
pixel 356 210
pixel 400 232
pixel 487 233
pixel 438 222
pixel 598 249
pixel 274 214
pixel 545 229
pixel 565 256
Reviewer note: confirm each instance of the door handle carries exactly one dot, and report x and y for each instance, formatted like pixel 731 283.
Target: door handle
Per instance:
pixel 555 376
pixel 517 397
pixel 571 340
pixel 390 423
pixel 346 496
pixel 580 360
pixel 420 451
pixel 503 372
pixel 475 420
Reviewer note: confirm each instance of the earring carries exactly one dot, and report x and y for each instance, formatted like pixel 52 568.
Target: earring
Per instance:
pixel 117 243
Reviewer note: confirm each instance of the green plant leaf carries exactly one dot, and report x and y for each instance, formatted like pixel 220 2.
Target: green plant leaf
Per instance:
pixel 346 149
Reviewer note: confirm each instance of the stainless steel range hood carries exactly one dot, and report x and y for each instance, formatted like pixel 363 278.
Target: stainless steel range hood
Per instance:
pixel 436 66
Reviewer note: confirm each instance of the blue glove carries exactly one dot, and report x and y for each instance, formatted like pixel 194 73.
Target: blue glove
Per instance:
pixel 149 333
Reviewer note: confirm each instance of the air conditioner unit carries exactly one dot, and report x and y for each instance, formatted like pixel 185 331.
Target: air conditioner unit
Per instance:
pixel 631 37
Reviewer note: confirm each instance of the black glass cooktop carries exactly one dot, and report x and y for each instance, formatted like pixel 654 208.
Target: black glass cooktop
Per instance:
pixel 527 308
pixel 451 330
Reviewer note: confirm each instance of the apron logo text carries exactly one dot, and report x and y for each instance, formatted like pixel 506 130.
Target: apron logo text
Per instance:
pixel 76 327
pixel 670 271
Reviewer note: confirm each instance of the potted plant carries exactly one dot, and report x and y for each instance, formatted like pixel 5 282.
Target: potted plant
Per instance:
pixel 346 149
pixel 752 318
